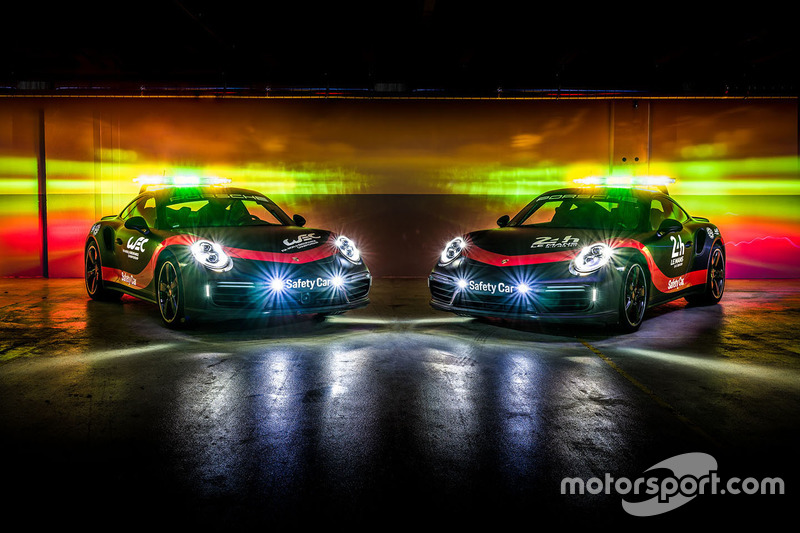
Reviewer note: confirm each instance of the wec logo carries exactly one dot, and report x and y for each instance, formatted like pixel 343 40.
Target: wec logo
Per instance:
pixel 137 245
pixel 301 239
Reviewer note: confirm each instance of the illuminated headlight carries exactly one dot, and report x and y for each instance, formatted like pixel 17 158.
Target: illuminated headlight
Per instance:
pixel 461 283
pixel 277 284
pixel 523 288
pixel 337 282
pixel 591 258
pixel 211 256
pixel 452 250
pixel 348 249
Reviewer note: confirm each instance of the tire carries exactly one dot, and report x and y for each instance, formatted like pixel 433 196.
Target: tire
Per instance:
pixel 93 276
pixel 169 294
pixel 633 298
pixel 715 280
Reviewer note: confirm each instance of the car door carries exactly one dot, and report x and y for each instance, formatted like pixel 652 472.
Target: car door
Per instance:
pixel 672 251
pixel 133 248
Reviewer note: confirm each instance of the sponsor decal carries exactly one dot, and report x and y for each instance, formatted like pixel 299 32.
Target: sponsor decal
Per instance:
pixel 309 284
pixel 303 241
pixel 134 246
pixel 675 283
pixel 554 242
pixel 710 233
pixel 491 288
pixel 678 251
pixel 127 278
pixel 95 228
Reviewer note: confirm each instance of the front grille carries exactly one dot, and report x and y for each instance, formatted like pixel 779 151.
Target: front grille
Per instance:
pixel 542 299
pixel 259 295
pixel 357 288
pixel 232 294
pixel 442 290
pixel 564 298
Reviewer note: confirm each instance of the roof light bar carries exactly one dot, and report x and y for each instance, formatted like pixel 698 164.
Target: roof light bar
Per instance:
pixel 147 181
pixel 631 181
pixel 658 182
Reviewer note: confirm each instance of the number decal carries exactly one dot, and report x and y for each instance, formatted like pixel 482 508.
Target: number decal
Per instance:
pixel 677 246
pixel 678 250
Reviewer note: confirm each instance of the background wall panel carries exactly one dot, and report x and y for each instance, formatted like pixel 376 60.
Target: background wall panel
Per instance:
pixel 20 233
pixel 403 176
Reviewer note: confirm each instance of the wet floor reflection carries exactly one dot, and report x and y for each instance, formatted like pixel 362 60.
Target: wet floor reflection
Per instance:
pixel 377 410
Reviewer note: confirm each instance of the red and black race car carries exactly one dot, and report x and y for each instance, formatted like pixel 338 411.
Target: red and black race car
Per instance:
pixel 598 252
pixel 202 249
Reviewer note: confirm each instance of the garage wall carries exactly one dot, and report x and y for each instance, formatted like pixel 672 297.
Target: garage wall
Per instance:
pixel 400 176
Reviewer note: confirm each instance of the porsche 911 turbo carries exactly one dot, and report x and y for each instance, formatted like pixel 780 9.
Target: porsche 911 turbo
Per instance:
pixel 599 251
pixel 199 248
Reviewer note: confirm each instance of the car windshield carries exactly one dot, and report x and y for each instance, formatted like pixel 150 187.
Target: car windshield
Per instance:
pixel 222 210
pixel 587 213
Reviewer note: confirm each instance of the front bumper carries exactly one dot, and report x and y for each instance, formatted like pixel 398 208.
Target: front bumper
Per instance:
pixel 553 293
pixel 249 289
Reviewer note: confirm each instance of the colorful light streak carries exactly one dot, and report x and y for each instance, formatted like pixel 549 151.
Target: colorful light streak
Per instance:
pixel 726 156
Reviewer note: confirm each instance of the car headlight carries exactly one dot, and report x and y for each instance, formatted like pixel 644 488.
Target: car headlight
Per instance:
pixel 591 258
pixel 452 250
pixel 210 255
pixel 348 249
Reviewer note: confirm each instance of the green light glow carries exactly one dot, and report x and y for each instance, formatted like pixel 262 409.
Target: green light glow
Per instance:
pixel 770 175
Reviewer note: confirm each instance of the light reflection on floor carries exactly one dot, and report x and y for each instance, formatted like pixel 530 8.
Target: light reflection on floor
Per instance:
pixel 385 408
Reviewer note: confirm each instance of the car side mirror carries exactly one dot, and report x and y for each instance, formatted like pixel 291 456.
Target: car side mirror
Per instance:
pixel 503 221
pixel 137 223
pixel 668 225
pixel 298 220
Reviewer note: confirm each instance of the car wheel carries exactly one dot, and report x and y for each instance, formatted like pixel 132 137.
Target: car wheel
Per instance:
pixel 715 280
pixel 169 294
pixel 93 276
pixel 633 298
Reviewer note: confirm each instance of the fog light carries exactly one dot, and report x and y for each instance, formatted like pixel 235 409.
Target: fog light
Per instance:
pixel 337 281
pixel 276 284
pixel 462 284
pixel 523 288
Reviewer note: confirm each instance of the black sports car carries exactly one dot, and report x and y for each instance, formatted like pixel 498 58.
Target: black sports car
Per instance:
pixel 601 253
pixel 220 251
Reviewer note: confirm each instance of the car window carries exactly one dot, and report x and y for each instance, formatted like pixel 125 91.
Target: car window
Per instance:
pixel 144 207
pixel 127 211
pixel 222 211
pixel 587 213
pixel 663 208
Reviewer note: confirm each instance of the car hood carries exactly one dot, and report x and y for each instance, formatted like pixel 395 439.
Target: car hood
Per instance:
pixel 527 241
pixel 274 239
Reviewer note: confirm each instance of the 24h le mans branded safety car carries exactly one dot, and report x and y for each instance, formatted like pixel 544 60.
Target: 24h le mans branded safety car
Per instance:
pixel 596 251
pixel 201 248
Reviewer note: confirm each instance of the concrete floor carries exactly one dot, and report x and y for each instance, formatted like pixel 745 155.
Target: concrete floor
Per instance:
pixel 395 412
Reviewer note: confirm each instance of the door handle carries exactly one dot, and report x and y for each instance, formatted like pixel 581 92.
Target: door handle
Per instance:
pixel 119 241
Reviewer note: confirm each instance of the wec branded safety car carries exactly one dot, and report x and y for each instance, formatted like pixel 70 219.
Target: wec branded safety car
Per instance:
pixel 600 252
pixel 196 248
